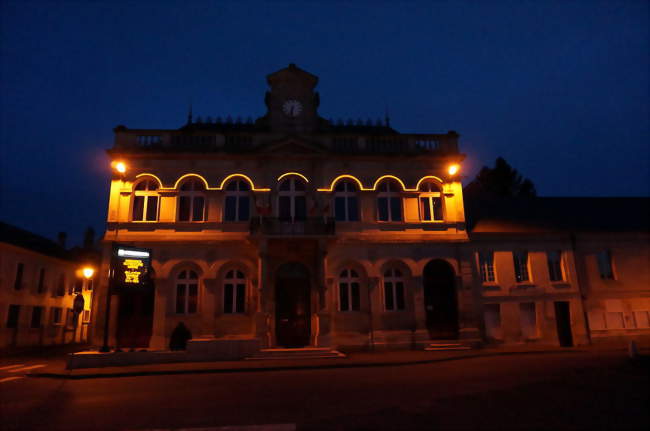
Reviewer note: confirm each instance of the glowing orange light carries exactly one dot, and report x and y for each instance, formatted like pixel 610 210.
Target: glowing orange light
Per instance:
pixel 453 169
pixel 119 167
pixel 88 272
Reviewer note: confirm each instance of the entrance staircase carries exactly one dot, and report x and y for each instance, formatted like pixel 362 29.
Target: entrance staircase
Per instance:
pixel 295 354
pixel 446 345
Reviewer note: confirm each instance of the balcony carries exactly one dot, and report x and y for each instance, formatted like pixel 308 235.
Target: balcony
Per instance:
pixel 271 226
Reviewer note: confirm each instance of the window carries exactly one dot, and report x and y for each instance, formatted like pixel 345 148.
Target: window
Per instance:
pixel 555 270
pixel 191 201
pixel 528 320
pixel 41 281
pixel 389 202
pixel 89 284
pixel 86 316
pixel 521 266
pixel 13 315
pixel 145 201
pixel 237 207
pixel 349 299
pixel 57 313
pixel 605 265
pixel 37 317
pixel 394 290
pixel 60 287
pixel 78 285
pixel 430 202
pixel 187 292
pixel 292 205
pixel 346 207
pixel 486 266
pixel 234 292
pixel 18 282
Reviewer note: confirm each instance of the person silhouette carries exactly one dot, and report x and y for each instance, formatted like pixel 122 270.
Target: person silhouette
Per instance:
pixel 179 337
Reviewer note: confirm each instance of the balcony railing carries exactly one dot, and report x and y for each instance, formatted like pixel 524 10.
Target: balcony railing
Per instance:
pixel 317 226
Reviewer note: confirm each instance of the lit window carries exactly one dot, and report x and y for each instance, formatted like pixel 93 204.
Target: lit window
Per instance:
pixel 234 292
pixel 394 290
pixel 145 201
pixel 555 271
pixel 346 207
pixel 18 281
pixel 349 299
pixel 238 205
pixel 486 265
pixel 521 266
pixel 191 201
pixel 292 204
pixel 430 202
pixel 389 202
pixel 605 265
pixel 187 292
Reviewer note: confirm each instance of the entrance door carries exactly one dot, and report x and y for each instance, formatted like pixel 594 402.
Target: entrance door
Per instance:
pixel 135 317
pixel 440 300
pixel 563 322
pixel 292 305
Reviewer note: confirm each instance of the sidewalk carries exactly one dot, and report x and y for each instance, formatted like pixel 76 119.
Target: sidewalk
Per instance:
pixel 353 360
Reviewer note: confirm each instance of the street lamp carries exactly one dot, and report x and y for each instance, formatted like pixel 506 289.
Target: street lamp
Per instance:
pixel 119 166
pixel 88 272
pixel 453 169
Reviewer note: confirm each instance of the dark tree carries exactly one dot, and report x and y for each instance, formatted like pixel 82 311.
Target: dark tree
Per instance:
pixel 89 238
pixel 502 181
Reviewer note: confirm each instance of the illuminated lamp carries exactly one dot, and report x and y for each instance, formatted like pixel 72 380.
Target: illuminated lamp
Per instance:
pixel 453 169
pixel 119 167
pixel 88 272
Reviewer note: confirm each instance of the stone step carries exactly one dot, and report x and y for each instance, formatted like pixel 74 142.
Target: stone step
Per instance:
pixel 303 353
pixel 446 346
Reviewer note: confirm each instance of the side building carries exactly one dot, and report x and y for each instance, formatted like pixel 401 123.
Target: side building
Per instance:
pixel 39 281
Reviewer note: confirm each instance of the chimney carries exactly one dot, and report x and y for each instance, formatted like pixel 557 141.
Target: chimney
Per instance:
pixel 61 237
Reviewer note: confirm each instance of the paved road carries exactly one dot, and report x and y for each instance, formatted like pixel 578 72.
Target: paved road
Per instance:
pixel 576 390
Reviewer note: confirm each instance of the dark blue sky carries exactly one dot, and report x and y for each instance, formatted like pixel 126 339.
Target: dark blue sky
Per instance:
pixel 560 89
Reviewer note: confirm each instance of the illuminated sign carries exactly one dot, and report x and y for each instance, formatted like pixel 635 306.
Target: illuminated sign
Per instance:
pixel 131 267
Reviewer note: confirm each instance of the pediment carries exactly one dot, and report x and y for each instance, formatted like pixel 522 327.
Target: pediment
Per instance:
pixel 293 146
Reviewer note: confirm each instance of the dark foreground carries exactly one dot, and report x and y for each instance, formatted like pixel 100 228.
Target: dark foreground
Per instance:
pixel 572 390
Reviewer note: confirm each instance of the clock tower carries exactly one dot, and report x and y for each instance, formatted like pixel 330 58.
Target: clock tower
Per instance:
pixel 291 101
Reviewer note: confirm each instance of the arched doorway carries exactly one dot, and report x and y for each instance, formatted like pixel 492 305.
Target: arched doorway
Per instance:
pixel 292 305
pixel 440 301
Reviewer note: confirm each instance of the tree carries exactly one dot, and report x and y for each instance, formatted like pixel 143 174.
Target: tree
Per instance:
pixel 502 181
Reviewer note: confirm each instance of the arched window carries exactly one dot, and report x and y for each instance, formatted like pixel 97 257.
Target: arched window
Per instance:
pixel 145 201
pixel 389 202
pixel 234 292
pixel 349 297
pixel 187 292
pixel 191 201
pixel 394 290
pixel 292 205
pixel 237 207
pixel 345 202
pixel 430 202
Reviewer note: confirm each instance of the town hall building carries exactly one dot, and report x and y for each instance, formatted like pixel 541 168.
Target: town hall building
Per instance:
pixel 298 231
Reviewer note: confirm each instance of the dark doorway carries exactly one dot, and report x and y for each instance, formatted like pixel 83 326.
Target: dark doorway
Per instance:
pixel 440 301
pixel 135 317
pixel 292 305
pixel 563 322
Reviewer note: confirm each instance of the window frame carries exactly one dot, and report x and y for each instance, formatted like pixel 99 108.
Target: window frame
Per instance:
pixel 238 193
pixel 40 320
pixel 196 191
pixel 147 194
pixel 389 190
pixel 517 264
pixel 19 275
pixel 610 274
pixel 349 277
pixel 390 277
pixel 293 194
pixel 235 277
pixel 431 196
pixel 484 271
pixel 554 266
pixel 350 191
pixel 186 278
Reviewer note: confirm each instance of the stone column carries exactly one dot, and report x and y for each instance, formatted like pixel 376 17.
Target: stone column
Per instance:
pixel 159 338
pixel 321 333
pixel 209 307
pixel 468 306
pixel 263 306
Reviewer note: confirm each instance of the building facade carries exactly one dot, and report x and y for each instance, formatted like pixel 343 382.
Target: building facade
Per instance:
pixel 301 231
pixel 39 281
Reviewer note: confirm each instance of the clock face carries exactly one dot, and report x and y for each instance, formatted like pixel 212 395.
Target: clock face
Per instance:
pixel 292 108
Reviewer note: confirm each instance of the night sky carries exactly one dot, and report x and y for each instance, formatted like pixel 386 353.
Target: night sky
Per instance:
pixel 559 89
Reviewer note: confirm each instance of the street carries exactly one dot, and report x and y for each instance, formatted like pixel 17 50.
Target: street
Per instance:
pixel 568 390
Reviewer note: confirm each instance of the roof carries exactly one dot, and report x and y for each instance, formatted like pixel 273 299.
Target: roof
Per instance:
pixel 22 238
pixel 558 214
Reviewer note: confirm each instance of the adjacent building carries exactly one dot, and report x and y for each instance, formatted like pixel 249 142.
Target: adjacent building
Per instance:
pixel 301 231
